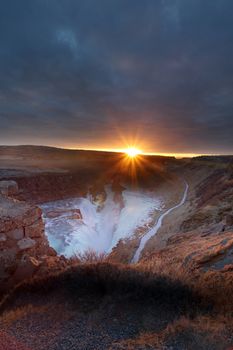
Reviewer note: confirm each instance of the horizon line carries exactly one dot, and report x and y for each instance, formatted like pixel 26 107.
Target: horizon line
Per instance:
pixel 119 150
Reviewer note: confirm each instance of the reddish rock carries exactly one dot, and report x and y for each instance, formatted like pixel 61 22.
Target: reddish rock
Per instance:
pixel 15 214
pixel 16 234
pixel 22 241
pixel 52 252
pixel 26 243
pixel 35 230
pixel 72 213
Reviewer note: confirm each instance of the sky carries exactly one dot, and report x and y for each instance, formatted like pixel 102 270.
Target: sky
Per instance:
pixel 156 74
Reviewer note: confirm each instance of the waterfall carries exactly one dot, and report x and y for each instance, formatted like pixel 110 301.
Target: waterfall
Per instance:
pixel 98 231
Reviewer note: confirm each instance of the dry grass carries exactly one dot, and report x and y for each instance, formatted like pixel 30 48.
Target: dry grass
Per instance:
pixel 199 322
pixel 19 313
pixel 111 279
pixel 90 257
pixel 202 333
pixel 215 287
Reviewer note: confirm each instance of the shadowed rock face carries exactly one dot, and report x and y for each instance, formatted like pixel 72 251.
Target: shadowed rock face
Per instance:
pixel 22 238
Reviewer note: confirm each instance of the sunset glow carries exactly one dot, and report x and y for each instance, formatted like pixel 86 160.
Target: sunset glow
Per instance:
pixel 132 152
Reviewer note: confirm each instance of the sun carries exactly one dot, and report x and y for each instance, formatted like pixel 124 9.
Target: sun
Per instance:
pixel 132 152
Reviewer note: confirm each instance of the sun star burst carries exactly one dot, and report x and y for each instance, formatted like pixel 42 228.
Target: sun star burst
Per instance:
pixel 132 152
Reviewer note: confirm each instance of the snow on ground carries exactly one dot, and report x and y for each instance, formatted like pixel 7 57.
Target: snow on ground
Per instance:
pixel 98 230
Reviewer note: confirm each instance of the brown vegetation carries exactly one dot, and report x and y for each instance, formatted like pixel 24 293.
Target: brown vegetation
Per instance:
pixel 166 311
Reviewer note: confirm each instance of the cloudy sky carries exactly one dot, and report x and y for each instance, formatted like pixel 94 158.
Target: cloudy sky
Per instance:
pixel 99 74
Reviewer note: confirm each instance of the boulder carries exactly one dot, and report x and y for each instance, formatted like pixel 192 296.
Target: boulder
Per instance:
pixel 71 213
pixel 16 234
pixel 15 214
pixel 33 214
pixel 26 243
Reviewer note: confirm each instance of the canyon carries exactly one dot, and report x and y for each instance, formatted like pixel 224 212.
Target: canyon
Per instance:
pixel 81 202
pixel 62 211
pixel 85 202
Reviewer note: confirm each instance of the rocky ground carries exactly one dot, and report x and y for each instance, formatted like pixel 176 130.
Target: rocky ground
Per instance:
pixel 24 248
pixel 177 297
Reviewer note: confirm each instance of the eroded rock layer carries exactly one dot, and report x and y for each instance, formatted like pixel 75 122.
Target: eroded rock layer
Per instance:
pixel 24 248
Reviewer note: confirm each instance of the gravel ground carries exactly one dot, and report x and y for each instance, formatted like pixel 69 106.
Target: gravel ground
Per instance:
pixel 91 307
pixel 8 342
pixel 91 323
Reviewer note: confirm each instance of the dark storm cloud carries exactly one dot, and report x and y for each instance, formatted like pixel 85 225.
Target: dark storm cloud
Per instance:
pixel 73 72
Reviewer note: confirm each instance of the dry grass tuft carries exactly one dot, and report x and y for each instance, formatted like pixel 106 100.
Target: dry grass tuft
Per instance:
pixel 91 257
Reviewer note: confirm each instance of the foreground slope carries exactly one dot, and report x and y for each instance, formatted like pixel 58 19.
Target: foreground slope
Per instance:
pixel 97 306
pixel 106 306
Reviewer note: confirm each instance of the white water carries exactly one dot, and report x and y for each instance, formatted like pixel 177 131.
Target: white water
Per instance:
pixel 157 226
pixel 98 231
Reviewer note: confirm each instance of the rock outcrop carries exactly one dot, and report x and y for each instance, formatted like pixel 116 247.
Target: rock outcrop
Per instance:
pixel 73 214
pixel 22 239
pixel 196 253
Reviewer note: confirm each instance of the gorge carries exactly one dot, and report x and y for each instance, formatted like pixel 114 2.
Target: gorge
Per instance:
pixel 79 239
pixel 101 225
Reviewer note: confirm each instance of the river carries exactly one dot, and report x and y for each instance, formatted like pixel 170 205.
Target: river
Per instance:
pixel 157 226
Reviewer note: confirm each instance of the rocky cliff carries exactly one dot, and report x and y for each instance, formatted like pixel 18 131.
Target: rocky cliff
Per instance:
pixel 24 248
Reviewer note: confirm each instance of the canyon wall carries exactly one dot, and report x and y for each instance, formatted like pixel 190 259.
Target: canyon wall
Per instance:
pixel 24 248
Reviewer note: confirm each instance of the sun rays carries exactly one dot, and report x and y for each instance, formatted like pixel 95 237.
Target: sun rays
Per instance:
pixel 132 152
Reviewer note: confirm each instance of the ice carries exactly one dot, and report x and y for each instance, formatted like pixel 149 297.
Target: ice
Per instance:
pixel 98 231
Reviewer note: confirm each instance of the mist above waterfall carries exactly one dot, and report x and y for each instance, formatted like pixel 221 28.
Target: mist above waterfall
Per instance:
pixel 98 230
